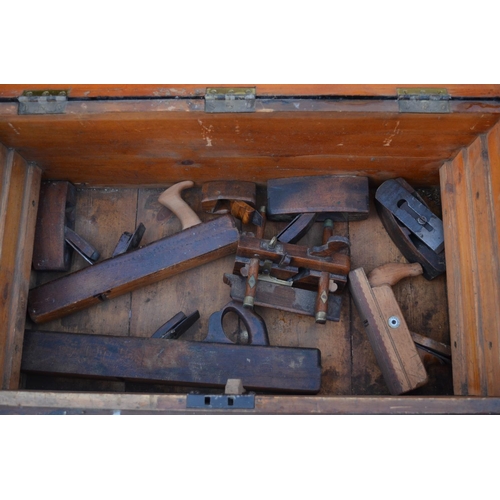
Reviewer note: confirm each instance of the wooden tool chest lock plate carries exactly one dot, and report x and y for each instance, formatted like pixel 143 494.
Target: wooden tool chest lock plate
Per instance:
pixel 122 146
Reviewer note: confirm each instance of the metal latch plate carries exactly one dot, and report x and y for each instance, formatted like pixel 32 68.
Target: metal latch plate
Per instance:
pixel 230 100
pixel 221 402
pixel 423 100
pixel 43 102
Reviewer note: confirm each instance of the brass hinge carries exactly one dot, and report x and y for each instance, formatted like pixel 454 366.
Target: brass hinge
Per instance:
pixel 43 102
pixel 230 100
pixel 423 100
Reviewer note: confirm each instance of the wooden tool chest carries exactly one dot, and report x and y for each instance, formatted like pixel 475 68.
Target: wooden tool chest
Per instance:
pixel 123 145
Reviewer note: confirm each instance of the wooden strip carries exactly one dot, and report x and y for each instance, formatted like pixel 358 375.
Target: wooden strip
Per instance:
pixel 485 238
pixel 493 139
pixel 147 404
pixel 463 287
pixel 6 158
pixel 115 172
pixel 17 247
pixel 187 90
pixel 296 105
pixel 453 275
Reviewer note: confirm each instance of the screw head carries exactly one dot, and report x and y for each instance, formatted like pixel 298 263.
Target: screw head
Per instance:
pixel 394 322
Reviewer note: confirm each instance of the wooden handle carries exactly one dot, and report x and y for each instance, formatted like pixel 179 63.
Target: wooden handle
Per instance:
pixel 171 198
pixel 390 274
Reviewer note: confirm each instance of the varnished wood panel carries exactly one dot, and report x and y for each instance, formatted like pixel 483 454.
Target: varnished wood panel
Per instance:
pixel 19 192
pixel 186 90
pixel 150 147
pixel 473 269
pixel 493 139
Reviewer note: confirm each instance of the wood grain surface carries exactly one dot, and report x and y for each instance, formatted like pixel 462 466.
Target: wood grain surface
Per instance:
pixel 394 348
pixel 147 147
pixel 19 190
pixel 470 214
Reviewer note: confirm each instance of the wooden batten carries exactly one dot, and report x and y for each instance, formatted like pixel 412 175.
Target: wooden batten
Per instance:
pixel 193 90
pixel 63 403
pixel 471 215
pixel 19 190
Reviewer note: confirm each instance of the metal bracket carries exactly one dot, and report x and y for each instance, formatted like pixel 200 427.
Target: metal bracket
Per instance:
pixel 43 102
pixel 221 402
pixel 423 100
pixel 230 100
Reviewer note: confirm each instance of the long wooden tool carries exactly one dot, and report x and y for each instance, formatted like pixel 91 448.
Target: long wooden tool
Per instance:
pixel 210 363
pixel 197 244
pixel 386 328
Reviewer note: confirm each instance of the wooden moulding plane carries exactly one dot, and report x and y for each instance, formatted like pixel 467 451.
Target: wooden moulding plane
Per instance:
pixel 395 347
pixel 198 243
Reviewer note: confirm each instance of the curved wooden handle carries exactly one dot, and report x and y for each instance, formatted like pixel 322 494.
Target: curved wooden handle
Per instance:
pixel 171 198
pixel 390 274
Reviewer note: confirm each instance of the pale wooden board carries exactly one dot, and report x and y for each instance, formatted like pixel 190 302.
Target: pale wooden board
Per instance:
pixel 487 260
pixel 493 139
pixel 471 224
pixel 19 202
